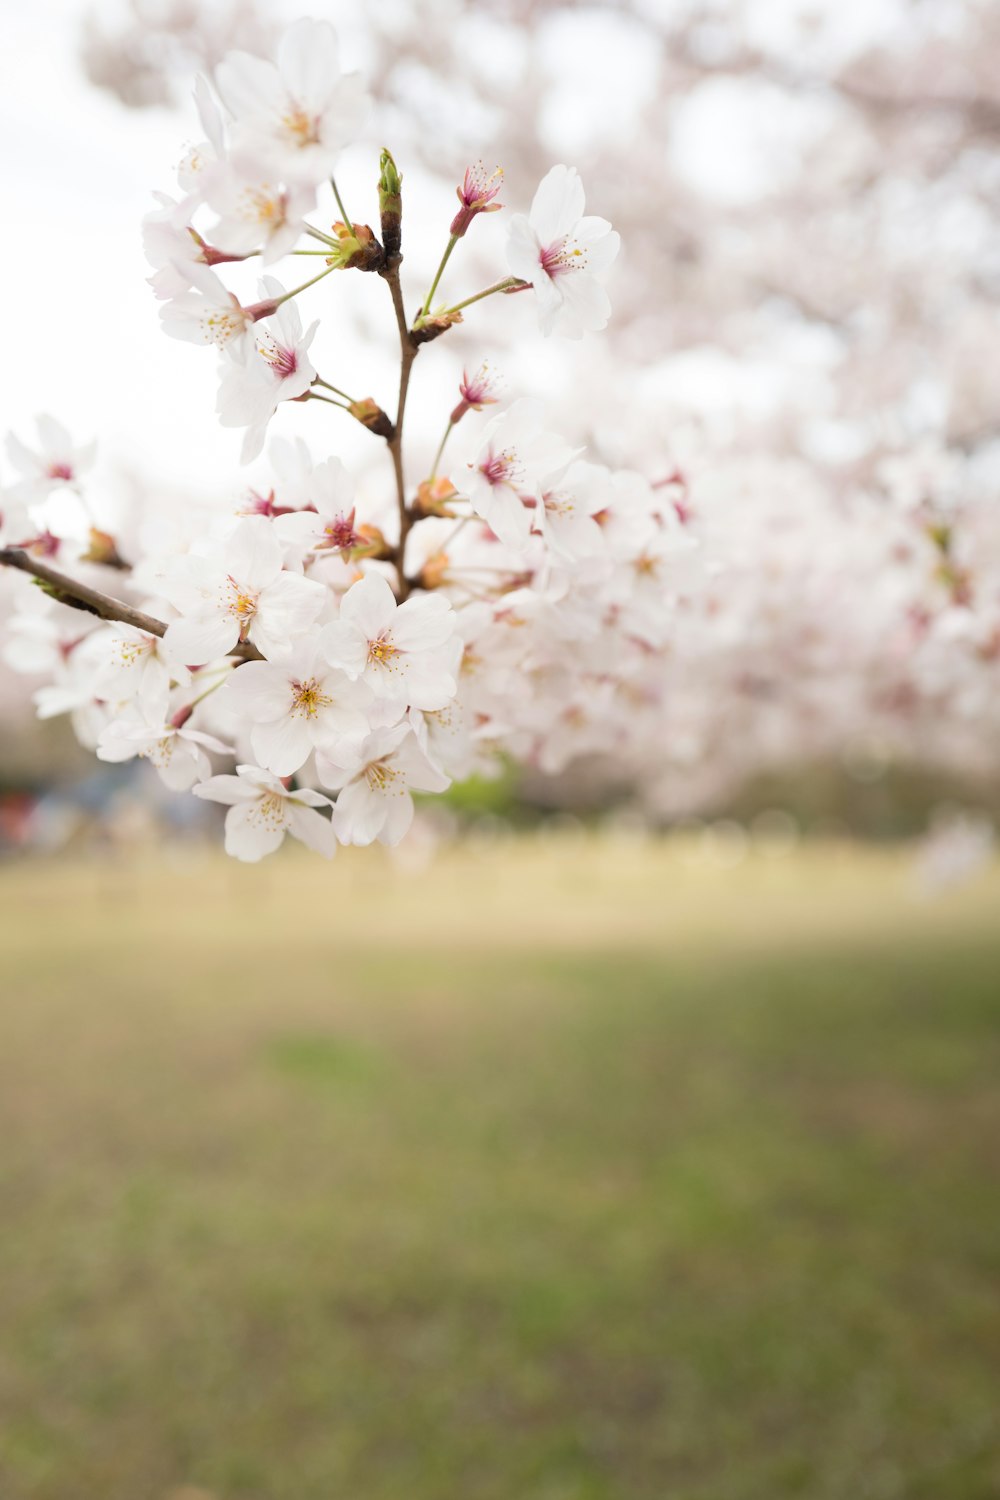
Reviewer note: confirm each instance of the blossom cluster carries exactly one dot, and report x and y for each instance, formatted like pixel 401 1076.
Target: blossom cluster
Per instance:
pixel 796 357
pixel 339 662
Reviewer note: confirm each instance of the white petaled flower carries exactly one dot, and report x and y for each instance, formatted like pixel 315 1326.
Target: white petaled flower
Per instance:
pixel 170 247
pixel 270 367
pixel 374 799
pixel 405 652
pixel 57 463
pixel 299 705
pixel 240 594
pixel 177 752
pixel 564 255
pixel 567 510
pixel 206 313
pixel 202 162
pixel 297 115
pixel 256 214
pixel 330 527
pixel 136 666
pixel 516 460
pixel 16 525
pixel 262 810
pixel 42 641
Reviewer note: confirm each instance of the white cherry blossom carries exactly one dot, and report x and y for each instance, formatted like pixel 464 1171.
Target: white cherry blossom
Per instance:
pixel 270 367
pixel 177 751
pixel 298 705
pixel 564 255
pixel 374 800
pixel 406 653
pixel 204 160
pixel 136 665
pixel 298 113
pixel 57 462
pixel 330 526
pixel 256 213
pixel 516 460
pixel 262 810
pixel 205 313
pixel 239 593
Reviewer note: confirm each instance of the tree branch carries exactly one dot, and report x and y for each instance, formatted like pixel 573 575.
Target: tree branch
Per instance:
pixel 408 353
pixel 82 596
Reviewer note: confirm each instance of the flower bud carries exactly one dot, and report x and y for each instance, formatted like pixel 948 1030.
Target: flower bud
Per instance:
pixel 476 196
pixel 357 250
pixel 434 573
pixel 390 204
pixel 372 544
pixel 433 496
pixel 432 325
pixel 103 549
pixel 371 415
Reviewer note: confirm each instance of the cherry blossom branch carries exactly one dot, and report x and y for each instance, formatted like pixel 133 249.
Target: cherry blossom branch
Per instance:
pixel 408 353
pixel 80 595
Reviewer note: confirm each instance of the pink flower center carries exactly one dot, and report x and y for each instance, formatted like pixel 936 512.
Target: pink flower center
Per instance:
pixel 499 468
pixel 562 256
pixel 60 471
pixel 341 533
pixel 284 362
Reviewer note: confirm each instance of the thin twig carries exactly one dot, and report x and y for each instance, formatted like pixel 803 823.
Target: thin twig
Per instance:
pixel 103 605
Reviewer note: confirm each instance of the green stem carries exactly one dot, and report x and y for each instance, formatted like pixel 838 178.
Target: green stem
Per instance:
pixel 508 283
pixel 315 396
pixel 318 234
pixel 426 305
pixel 453 534
pixel 340 202
pixel 441 446
pixel 335 389
pixel 296 290
pixel 209 690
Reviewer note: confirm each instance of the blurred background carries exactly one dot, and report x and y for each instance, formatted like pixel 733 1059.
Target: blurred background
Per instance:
pixel 631 1131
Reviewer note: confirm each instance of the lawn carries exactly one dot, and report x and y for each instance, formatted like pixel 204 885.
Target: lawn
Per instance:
pixel 563 1170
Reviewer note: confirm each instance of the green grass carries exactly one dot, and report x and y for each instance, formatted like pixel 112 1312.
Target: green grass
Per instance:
pixel 563 1172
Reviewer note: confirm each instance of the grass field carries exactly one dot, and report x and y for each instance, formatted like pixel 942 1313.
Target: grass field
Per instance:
pixel 566 1171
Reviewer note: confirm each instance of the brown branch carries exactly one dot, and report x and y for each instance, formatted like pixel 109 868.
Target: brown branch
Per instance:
pixel 408 353
pixel 81 596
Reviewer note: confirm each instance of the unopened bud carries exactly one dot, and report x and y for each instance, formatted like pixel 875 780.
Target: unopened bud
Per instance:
pixel 433 496
pixel 103 549
pixel 373 544
pixel 434 573
pixel 940 534
pixel 432 325
pixel 390 204
pixel 357 249
pixel 371 415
